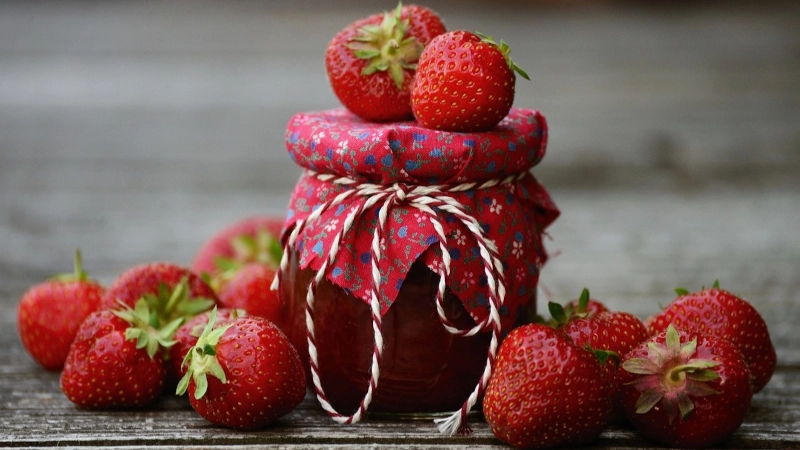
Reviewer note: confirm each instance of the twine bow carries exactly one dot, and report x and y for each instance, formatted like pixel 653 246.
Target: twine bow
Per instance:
pixel 430 200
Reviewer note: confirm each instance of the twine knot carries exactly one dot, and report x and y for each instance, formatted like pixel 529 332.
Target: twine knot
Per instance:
pixel 401 191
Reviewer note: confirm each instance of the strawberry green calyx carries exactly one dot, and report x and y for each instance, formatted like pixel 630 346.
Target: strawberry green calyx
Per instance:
pixel 683 291
pixel 604 355
pixel 167 306
pixel 144 330
pixel 562 315
pixel 505 49
pixel 262 248
pixel 386 47
pixel 672 375
pixel 202 360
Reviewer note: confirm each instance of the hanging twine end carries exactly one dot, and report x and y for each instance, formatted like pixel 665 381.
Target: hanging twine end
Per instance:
pixel 455 424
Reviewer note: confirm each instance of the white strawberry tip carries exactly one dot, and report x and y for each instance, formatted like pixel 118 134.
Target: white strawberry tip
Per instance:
pixel 671 375
pixel 386 47
pixel 202 360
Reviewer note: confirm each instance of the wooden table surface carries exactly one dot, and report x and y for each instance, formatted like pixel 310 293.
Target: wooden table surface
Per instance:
pixel 134 130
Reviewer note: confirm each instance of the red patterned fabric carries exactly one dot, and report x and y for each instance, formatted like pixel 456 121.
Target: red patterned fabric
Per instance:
pixel 513 214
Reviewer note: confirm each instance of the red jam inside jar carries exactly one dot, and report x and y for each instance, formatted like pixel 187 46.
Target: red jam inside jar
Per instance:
pixel 424 369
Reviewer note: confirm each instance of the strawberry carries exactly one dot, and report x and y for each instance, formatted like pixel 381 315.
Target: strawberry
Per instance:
pixel 244 374
pixel 545 391
pixel 186 338
pixel 171 291
pixel 252 239
pixel 116 359
pixel 725 316
pixel 614 334
pixel 464 82
pixel 249 288
pixel 685 389
pixel 584 306
pixel 49 314
pixel 371 62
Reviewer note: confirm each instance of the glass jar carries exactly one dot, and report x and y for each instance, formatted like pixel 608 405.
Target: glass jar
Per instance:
pixel 381 212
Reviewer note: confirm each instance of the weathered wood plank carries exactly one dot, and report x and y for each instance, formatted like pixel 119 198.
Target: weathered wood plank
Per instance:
pixel 38 413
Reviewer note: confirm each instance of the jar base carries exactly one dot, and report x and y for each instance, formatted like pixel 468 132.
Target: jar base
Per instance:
pixel 476 412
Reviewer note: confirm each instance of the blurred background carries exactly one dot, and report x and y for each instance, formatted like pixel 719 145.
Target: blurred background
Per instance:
pixel 135 129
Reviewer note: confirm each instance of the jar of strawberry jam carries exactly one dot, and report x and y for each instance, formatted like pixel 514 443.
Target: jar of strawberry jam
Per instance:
pixel 409 253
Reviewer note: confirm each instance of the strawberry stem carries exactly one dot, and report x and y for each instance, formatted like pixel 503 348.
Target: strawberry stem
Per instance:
pixel 78 274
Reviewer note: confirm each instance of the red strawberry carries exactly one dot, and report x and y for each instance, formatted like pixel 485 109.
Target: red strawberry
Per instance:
pixel 616 332
pixel 545 391
pixel 50 313
pixel 244 374
pixel 584 306
pixel 186 338
pixel 371 62
pixel 723 315
pixel 464 82
pixel 610 334
pixel 685 390
pixel 171 291
pixel 252 239
pixel 115 360
pixel 250 289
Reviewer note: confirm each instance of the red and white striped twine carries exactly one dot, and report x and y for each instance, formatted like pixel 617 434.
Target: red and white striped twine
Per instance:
pixel 424 199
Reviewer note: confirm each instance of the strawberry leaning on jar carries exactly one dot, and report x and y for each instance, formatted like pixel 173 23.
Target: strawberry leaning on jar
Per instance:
pixel 243 374
pixel 685 389
pixel 545 391
pixel 371 62
pixel 724 316
pixel 50 313
pixel 465 82
pixel 116 360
